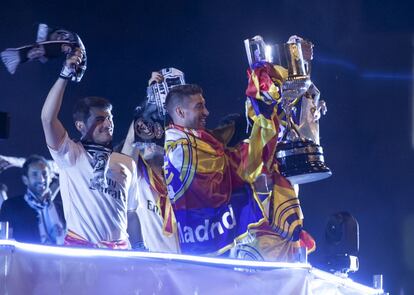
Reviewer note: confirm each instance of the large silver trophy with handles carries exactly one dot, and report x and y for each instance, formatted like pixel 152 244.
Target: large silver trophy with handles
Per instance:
pixel 299 153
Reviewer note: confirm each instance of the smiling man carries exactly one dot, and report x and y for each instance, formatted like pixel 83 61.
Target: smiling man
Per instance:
pixel 187 107
pixel 98 186
pixel 213 203
pixel 36 217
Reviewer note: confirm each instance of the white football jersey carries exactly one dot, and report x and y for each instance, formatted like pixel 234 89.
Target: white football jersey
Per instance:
pixel 95 214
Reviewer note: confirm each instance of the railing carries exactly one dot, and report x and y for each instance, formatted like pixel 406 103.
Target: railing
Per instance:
pixel 37 269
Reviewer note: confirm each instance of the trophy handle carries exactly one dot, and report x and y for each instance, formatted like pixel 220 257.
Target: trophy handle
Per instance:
pixel 307 51
pixel 292 132
pixel 255 50
pixel 308 67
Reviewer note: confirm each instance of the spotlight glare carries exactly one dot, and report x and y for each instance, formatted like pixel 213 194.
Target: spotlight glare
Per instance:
pixel 268 53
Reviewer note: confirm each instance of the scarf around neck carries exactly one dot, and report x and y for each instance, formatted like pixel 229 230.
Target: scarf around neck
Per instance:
pixel 99 160
pixel 50 227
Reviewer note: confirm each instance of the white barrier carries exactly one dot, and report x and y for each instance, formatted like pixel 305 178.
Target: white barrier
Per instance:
pixel 35 269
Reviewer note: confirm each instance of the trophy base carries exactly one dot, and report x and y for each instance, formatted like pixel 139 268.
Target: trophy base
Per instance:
pixel 302 162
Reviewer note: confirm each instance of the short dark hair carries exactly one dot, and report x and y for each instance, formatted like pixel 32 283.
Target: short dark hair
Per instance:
pixel 34 159
pixel 81 110
pixel 178 93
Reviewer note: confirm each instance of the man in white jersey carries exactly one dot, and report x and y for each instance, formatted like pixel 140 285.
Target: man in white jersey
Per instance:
pixel 98 186
pixel 154 208
pixel 153 203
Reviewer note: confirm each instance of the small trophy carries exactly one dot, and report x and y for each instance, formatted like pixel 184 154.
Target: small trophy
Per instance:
pixel 299 153
pixel 157 92
pixel 150 118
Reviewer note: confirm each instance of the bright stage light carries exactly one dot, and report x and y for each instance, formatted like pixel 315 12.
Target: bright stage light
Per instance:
pixel 268 53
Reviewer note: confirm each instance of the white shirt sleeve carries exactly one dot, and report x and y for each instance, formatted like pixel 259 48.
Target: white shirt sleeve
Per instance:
pixel 67 152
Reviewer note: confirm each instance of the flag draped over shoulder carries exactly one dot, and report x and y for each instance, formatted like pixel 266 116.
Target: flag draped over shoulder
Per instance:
pixel 213 205
pixel 157 184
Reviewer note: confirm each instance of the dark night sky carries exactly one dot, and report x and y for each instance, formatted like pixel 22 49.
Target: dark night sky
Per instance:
pixel 362 66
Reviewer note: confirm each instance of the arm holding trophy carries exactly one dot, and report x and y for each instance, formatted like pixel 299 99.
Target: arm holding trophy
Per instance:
pixel 145 144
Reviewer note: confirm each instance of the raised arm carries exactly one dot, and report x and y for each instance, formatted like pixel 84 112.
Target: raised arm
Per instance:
pixel 52 127
pixel 128 148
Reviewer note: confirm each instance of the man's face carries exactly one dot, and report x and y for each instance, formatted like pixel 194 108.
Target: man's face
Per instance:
pixel 194 112
pixel 99 126
pixel 38 178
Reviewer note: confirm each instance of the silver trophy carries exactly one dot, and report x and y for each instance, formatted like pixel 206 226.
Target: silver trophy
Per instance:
pixel 150 117
pixel 299 153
